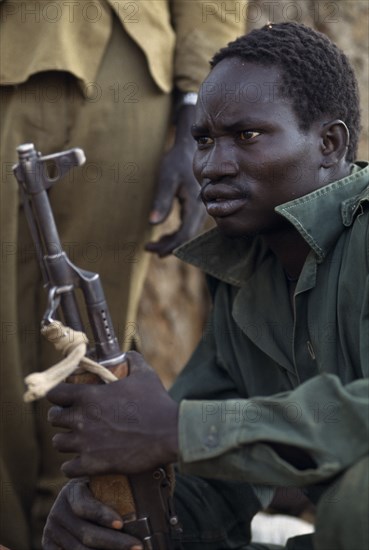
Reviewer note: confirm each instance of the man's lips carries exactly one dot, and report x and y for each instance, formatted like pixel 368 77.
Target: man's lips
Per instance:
pixel 223 208
pixel 221 200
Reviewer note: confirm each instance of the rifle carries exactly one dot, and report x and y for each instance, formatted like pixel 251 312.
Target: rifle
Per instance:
pixel 144 500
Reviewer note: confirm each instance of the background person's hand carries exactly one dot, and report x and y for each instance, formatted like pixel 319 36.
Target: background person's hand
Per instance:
pixel 176 181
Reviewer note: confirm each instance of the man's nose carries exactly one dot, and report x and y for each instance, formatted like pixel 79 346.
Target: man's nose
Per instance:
pixel 219 164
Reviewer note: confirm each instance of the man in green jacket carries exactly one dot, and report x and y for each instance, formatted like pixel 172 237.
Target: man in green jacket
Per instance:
pixel 276 393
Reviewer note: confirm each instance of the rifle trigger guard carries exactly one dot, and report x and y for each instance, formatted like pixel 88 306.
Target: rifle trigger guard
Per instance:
pixel 53 302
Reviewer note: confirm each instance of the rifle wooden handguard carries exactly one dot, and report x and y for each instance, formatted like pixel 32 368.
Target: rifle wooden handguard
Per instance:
pixel 111 489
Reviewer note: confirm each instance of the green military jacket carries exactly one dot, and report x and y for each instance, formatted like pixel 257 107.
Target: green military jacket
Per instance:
pixel 178 37
pixel 263 374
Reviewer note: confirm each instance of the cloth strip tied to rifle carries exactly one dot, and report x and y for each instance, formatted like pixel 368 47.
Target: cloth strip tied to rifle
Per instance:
pixel 73 345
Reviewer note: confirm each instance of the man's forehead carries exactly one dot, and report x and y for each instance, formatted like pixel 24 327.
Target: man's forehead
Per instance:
pixel 234 80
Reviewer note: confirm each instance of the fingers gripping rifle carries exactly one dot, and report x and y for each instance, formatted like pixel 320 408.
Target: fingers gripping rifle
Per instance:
pixel 145 500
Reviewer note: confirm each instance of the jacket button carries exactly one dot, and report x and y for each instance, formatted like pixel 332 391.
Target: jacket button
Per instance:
pixel 311 350
pixel 212 439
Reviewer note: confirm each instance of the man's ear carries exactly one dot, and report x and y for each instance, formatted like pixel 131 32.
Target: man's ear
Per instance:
pixel 335 141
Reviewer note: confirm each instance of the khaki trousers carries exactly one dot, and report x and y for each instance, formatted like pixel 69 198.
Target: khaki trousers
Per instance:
pixel 101 211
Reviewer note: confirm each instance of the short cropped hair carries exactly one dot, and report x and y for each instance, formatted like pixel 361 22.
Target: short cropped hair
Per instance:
pixel 316 74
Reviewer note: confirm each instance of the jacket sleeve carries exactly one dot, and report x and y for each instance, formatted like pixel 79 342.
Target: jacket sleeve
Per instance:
pixel 234 438
pixel 201 29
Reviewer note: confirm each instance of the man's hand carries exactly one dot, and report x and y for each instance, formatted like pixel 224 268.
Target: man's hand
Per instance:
pixel 176 180
pixel 78 521
pixel 126 427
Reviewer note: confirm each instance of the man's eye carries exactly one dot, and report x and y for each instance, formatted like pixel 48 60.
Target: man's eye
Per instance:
pixel 203 140
pixel 247 135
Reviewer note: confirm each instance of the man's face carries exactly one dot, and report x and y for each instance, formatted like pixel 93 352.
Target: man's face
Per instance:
pixel 251 154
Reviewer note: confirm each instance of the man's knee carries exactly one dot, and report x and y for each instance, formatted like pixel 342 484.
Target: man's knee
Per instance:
pixel 343 511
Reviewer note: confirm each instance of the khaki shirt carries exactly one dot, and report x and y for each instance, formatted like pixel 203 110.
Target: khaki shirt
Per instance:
pixel 178 37
pixel 261 374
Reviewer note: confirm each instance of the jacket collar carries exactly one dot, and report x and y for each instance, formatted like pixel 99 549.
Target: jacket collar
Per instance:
pixel 320 217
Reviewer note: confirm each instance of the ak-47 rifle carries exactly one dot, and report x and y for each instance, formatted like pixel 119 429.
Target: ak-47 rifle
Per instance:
pixel 143 500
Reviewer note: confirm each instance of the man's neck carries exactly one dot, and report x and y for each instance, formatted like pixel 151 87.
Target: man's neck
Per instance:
pixel 290 249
